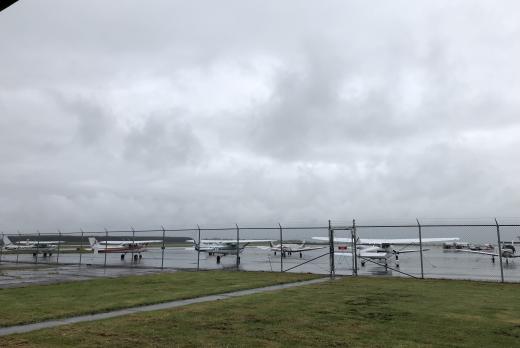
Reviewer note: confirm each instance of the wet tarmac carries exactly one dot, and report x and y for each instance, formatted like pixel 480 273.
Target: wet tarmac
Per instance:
pixel 24 274
pixel 437 263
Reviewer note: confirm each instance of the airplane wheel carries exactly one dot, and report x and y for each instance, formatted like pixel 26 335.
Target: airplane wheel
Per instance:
pixel 218 259
pixel 44 254
pixel 50 254
pixel 140 256
pixel 135 258
pixel 362 264
pixel 275 253
pixel 301 255
pixel 122 256
pixel 34 254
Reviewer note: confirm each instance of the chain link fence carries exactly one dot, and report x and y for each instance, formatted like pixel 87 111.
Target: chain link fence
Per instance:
pixel 480 251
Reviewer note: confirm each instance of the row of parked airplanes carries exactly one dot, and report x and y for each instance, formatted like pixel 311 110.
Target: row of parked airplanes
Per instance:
pixel 379 250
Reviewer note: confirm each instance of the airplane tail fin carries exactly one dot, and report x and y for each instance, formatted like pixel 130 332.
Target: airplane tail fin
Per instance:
pixel 6 241
pixel 93 242
pixel 271 244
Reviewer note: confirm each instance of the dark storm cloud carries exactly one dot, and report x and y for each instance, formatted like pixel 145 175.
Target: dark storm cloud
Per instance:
pixel 175 113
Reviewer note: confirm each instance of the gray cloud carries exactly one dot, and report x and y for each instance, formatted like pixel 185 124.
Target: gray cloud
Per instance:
pixel 214 113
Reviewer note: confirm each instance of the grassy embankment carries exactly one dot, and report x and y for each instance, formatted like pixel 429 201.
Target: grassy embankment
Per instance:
pixel 362 312
pixel 42 302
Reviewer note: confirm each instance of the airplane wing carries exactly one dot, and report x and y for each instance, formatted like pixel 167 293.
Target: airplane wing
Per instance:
pixel 307 248
pixel 227 241
pixel 410 251
pixel 113 242
pixel 405 241
pixel 477 252
pixel 129 242
pixel 29 242
pixel 397 241
pixel 148 241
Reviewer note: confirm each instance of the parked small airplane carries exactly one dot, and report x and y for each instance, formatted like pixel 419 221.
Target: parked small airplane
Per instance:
pixel 381 249
pixel 289 248
pixel 36 247
pixel 223 247
pixel 121 246
pixel 508 252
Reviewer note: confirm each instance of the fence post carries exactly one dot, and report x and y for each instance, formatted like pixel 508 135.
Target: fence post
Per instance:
pixel 420 247
pixel 162 248
pixel 500 251
pixel 133 246
pixel 198 249
pixel 354 246
pixel 59 248
pixel 106 247
pixel 238 247
pixel 331 252
pixel 37 246
pixel 281 248
pixel 17 249
pixel 2 248
pixel 80 246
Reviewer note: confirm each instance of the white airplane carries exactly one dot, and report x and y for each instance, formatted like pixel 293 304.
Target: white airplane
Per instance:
pixel 381 249
pixel 508 252
pixel 36 247
pixel 223 247
pixel 289 248
pixel 121 246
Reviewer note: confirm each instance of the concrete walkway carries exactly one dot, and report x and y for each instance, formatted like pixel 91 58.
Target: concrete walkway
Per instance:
pixel 165 305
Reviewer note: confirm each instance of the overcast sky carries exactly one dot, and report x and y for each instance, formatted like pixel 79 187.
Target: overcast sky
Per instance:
pixel 113 114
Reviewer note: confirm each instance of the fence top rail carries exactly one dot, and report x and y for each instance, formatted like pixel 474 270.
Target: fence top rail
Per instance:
pixel 438 225
pixel 251 228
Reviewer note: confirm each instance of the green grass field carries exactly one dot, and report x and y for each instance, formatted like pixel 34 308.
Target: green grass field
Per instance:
pixel 42 302
pixel 358 312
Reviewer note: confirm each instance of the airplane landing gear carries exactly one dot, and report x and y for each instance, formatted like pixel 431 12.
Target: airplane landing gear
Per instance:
pixel 301 255
pixel 397 260
pixel 135 257
pixel 44 254
pixel 275 253
pixel 362 263
pixel 238 260
pixel 218 259
pixel 122 257
pixel 493 259
pixel 34 254
pixel 140 256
